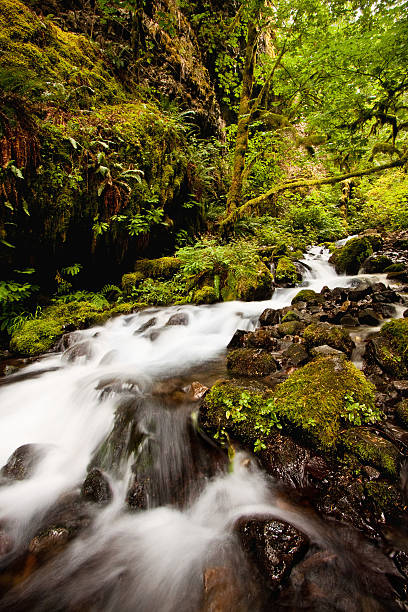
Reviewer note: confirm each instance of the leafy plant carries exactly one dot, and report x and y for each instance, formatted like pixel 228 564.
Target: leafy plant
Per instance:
pixel 356 413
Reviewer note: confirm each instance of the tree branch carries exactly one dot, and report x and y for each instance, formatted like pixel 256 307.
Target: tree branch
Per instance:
pixel 255 203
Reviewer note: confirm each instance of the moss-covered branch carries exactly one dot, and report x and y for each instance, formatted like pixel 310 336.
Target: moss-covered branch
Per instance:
pixel 254 204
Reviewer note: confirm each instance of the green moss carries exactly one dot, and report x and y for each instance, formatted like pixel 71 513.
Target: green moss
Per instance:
pixel 348 259
pixel 250 362
pixel 371 449
pixel 402 412
pixel 290 328
pixel 318 334
pixel 290 316
pixel 286 271
pixel 205 295
pixel 249 285
pixel 384 497
pixel 39 335
pixel 311 403
pixel 393 350
pixel 131 280
pixel 71 65
pixel 397 267
pixel 164 267
pixel 312 400
pixel 380 263
pixel 308 296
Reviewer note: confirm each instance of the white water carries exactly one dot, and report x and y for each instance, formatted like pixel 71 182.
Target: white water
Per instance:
pixel 160 554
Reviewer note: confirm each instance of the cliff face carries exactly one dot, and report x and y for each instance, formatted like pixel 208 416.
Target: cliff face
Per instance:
pixel 98 165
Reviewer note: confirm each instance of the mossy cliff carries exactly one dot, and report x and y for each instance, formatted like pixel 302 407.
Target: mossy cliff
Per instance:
pixel 105 174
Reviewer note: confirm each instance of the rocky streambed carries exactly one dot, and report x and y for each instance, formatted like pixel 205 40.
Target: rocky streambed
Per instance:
pixel 130 480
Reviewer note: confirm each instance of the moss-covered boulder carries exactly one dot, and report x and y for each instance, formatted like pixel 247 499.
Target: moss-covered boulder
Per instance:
pixel 205 295
pixel 314 399
pixel 390 348
pixel 131 280
pixel 255 284
pixel 371 449
pixel 163 267
pixel 290 328
pixel 309 296
pixel 313 404
pixel 401 412
pixel 349 258
pixel 291 315
pixel 39 335
pixel 319 334
pixel 377 263
pixel 250 362
pixel 286 273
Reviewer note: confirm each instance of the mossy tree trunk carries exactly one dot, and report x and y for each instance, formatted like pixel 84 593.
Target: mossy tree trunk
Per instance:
pixel 244 114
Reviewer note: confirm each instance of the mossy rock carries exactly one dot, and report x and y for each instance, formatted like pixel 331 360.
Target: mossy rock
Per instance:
pixel 39 335
pixel 291 315
pixel 131 280
pixel 377 263
pixel 391 347
pixel 402 412
pixel 290 328
pixel 309 296
pixel 250 362
pixel 286 272
pixel 248 287
pixel 319 334
pixel 372 450
pixel 164 267
pixel 205 295
pixel 310 404
pixel 312 400
pixel 396 267
pixel 349 258
pixel 384 496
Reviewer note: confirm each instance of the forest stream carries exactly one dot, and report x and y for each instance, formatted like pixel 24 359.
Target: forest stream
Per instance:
pixel 134 383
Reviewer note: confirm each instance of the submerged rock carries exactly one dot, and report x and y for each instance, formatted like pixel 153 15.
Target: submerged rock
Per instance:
pixel 96 488
pixel 273 546
pixel 22 463
pixel 180 318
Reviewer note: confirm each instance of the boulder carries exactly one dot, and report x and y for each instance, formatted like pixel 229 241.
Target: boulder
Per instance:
pixel 180 318
pixel 296 354
pixel 96 488
pixel 22 463
pixel 251 362
pixel 308 296
pixel 318 334
pixel 269 317
pixel 349 258
pixel 286 274
pixel 376 263
pixel 368 316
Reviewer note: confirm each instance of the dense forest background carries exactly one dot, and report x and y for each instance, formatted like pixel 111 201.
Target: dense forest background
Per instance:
pixel 187 146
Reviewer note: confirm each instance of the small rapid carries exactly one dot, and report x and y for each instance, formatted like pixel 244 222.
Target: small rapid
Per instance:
pixel 79 407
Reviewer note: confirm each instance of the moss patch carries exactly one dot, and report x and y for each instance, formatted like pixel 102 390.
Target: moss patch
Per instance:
pixel 313 401
pixel 286 272
pixel 402 412
pixel 393 350
pixel 308 296
pixel 371 449
pixel 318 334
pixel 205 295
pixel 164 267
pixel 349 258
pixel 39 335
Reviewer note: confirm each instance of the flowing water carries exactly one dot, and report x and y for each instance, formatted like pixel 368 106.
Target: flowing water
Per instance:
pixel 126 385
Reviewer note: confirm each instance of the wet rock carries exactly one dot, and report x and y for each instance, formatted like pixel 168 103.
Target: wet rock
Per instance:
pixel 180 318
pixel 405 313
pixel 70 513
pixel 138 494
pixel 349 321
pixel 369 317
pixel 251 362
pixel 372 449
pixel 265 338
pixel 389 348
pixel 309 297
pixel 221 591
pixel 96 488
pixel 146 325
pixel 385 310
pixel 401 386
pixel 401 277
pixel 6 543
pixel 296 354
pixel 49 543
pixel 273 546
pixel 324 350
pixel 276 378
pixel 237 340
pixel 198 390
pixel 401 412
pixel 291 328
pixel 269 317
pixel 349 258
pixel 83 349
pixel 23 461
pixel 376 263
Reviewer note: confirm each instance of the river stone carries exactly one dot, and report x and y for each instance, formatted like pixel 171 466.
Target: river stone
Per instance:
pixel 237 340
pixel 180 318
pixel 368 317
pixel 251 362
pixel 76 351
pixel 269 317
pixel 96 488
pixel 349 321
pixel 146 325
pixel 401 386
pixel 198 390
pixel 273 546
pixel 49 543
pixel 324 349
pixel 23 461
pixel 296 354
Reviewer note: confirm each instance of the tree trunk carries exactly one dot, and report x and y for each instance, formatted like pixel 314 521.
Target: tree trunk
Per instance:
pixel 244 114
